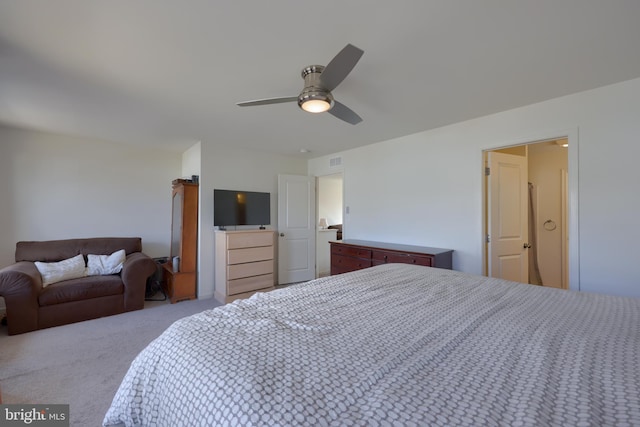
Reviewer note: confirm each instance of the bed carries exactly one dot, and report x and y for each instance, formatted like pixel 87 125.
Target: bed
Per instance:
pixel 394 344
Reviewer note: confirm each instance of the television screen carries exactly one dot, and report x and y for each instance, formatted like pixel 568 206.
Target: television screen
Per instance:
pixel 232 207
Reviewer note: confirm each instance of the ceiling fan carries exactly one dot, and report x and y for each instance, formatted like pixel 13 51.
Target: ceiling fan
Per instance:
pixel 319 81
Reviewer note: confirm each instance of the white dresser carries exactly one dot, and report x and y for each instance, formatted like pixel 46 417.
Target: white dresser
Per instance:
pixel 245 262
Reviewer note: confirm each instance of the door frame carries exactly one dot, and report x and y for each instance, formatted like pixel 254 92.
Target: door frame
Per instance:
pixel 572 136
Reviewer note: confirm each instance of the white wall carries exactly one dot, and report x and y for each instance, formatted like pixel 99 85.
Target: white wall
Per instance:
pixel 191 161
pixel 426 188
pixel 235 169
pixel 60 187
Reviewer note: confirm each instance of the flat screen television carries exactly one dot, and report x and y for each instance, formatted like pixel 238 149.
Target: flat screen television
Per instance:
pixel 231 207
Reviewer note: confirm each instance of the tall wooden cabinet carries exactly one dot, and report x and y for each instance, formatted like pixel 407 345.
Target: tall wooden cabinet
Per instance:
pixel 180 284
pixel 245 263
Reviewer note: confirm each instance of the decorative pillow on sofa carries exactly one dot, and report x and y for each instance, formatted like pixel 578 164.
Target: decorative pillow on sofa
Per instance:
pixel 52 272
pixel 102 265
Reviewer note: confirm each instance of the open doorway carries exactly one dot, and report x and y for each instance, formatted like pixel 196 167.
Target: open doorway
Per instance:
pixel 329 202
pixel 526 209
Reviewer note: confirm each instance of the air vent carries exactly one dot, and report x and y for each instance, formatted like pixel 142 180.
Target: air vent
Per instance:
pixel 335 161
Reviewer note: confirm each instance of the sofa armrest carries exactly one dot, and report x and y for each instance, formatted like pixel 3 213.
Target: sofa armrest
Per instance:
pixel 137 268
pixel 20 284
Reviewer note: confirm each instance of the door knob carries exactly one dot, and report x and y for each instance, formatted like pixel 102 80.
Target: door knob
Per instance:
pixel 526 246
pixel 281 234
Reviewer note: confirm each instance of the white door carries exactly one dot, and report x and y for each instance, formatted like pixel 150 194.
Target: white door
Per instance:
pixel 296 228
pixel 508 217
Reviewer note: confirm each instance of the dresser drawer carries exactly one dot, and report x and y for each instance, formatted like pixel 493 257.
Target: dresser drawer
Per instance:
pixel 247 240
pixel 245 263
pixel 249 284
pixel 384 257
pixel 238 271
pixel 346 263
pixel 350 251
pixel 240 256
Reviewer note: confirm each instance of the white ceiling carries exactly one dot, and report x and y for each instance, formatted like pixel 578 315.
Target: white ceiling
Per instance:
pixel 167 73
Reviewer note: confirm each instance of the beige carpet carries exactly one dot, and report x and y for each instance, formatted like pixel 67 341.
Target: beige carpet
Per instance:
pixel 82 364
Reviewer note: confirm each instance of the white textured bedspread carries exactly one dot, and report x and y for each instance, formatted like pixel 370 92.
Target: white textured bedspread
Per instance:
pixel 393 345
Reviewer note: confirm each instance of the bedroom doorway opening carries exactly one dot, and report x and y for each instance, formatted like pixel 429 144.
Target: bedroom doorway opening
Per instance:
pixel 329 215
pixel 526 213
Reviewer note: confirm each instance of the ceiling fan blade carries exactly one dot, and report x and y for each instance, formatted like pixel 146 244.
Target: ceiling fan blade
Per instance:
pixel 340 66
pixel 345 113
pixel 267 101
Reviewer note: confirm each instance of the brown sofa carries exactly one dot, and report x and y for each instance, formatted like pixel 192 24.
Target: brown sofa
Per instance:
pixel 31 306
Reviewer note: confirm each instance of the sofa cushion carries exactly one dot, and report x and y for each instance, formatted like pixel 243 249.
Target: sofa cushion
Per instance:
pixel 52 272
pixel 57 250
pixel 101 265
pixel 81 289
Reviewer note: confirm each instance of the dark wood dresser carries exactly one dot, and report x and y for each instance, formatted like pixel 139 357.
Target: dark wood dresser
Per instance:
pixel 350 255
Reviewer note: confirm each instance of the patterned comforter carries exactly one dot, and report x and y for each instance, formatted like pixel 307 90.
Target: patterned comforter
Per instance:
pixel 393 345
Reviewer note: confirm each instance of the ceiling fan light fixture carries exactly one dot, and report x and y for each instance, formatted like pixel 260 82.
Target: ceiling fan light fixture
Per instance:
pixel 315 100
pixel 316 105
